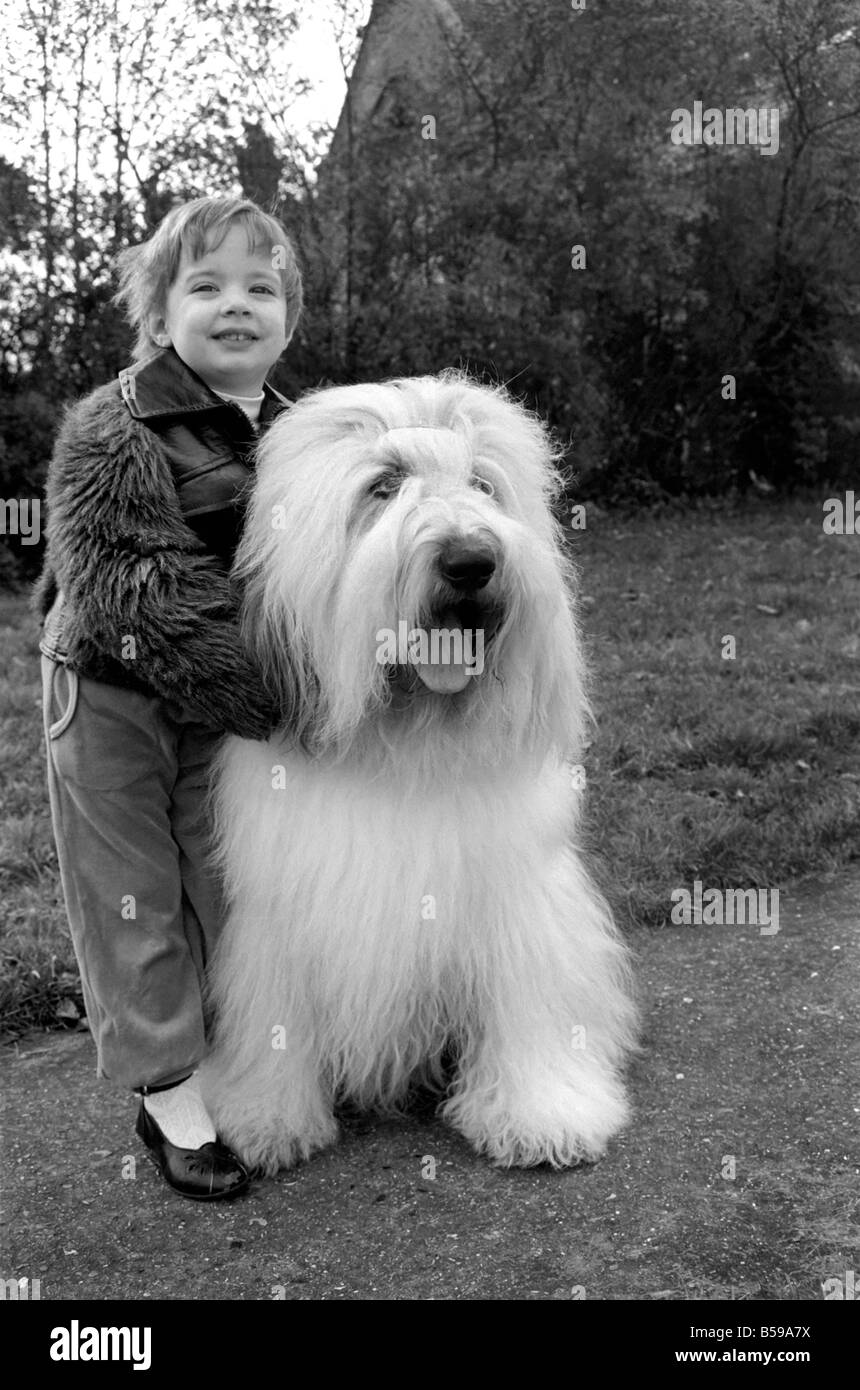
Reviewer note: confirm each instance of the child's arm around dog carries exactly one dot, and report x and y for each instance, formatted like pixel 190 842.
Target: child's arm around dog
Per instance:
pixel 132 568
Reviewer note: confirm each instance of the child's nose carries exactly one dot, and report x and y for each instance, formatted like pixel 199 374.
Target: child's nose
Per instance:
pixel 236 301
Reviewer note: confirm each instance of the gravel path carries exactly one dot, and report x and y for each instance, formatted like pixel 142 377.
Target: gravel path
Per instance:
pixel 750 1066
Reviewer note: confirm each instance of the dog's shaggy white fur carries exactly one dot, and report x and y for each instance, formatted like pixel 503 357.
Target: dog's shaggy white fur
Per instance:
pixel 402 865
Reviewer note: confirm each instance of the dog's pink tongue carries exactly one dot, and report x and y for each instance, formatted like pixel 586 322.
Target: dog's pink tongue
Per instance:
pixel 445 677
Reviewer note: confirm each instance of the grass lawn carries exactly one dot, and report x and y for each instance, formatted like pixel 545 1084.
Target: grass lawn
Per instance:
pixel 741 773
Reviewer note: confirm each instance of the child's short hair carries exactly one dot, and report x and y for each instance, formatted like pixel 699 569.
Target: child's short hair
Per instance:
pixel 146 272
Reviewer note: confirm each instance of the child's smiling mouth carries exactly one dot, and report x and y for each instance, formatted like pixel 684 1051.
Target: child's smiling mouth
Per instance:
pixel 234 335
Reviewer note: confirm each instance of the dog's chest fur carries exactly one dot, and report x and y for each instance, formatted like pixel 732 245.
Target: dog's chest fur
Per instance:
pixel 414 882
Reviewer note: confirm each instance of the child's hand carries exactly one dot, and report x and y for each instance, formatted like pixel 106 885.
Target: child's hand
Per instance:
pixel 258 720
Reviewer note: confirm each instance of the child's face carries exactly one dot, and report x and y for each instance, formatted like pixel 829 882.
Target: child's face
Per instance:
pixel 225 316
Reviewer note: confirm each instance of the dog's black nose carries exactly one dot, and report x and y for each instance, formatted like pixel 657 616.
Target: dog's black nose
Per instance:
pixel 467 566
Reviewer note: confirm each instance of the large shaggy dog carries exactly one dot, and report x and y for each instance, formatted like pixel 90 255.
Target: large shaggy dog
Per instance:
pixel 402 866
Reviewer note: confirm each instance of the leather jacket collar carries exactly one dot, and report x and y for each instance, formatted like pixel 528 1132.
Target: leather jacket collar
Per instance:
pixel 164 385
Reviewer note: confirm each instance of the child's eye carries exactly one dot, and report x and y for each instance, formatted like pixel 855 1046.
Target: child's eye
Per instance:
pixel 204 285
pixel 266 289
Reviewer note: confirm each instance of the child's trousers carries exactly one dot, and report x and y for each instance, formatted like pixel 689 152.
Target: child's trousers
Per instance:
pixel 127 775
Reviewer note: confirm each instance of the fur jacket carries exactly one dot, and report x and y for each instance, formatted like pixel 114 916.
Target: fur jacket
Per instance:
pixel 122 561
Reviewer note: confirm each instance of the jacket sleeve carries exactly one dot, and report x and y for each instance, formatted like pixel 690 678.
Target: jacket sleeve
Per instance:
pixel 130 568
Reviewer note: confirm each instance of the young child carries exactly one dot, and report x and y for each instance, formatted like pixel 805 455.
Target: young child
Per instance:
pixel 143 666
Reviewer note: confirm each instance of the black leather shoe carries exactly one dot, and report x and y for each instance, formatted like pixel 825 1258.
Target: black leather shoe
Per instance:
pixel 205 1174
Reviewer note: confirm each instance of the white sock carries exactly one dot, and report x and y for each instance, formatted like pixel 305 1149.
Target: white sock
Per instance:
pixel 181 1115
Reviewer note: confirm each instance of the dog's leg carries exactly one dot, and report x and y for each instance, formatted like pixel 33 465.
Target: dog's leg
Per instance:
pixel 262 1080
pixel 271 1109
pixel 539 1079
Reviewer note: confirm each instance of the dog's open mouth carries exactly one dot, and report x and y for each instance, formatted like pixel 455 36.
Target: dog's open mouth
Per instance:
pixel 450 648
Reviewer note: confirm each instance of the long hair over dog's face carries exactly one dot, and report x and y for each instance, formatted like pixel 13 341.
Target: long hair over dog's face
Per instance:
pixel 402 568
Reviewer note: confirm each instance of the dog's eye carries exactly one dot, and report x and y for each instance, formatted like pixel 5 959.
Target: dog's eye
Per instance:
pixel 483 485
pixel 386 486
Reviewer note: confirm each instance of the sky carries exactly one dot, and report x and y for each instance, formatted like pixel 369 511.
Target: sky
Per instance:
pixel 318 50
pixel 312 52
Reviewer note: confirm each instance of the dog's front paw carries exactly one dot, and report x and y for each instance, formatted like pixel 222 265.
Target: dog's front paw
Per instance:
pixel 269 1146
pixel 561 1126
pixel 265 1139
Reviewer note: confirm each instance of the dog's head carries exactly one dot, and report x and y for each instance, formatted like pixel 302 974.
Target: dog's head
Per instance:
pixel 402 565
